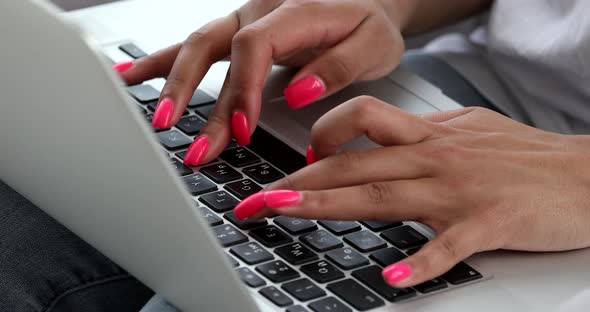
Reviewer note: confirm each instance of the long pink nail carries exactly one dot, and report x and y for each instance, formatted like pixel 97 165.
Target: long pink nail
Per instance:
pixel 240 129
pixel 197 151
pixel 163 114
pixel 396 273
pixel 310 156
pixel 304 92
pixel 122 66
pixel 249 206
pixel 281 198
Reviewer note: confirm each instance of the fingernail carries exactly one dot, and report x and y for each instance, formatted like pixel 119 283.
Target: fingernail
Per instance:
pixel 310 156
pixel 304 92
pixel 396 273
pixel 239 127
pixel 281 198
pixel 196 152
pixel 249 206
pixel 163 114
pixel 122 66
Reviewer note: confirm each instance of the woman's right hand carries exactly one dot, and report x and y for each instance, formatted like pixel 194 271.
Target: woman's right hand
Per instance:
pixel 336 42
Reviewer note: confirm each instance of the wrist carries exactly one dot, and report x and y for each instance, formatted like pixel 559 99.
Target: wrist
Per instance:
pixel 400 12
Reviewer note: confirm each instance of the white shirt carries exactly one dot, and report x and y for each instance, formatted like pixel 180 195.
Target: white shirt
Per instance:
pixel 531 59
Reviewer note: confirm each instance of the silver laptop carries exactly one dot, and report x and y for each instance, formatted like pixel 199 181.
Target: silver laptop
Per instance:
pixel 77 143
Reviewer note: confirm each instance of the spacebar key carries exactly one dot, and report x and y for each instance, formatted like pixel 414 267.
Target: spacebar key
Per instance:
pixel 356 295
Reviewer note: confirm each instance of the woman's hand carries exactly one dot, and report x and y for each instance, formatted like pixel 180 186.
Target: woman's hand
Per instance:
pixel 336 41
pixel 480 180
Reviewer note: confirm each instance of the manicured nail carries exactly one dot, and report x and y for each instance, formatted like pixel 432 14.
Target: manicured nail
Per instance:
pixel 304 92
pixel 163 114
pixel 196 152
pixel 281 198
pixel 396 273
pixel 122 66
pixel 249 206
pixel 310 156
pixel 240 129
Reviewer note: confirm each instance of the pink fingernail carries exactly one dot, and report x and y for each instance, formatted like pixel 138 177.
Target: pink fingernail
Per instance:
pixel 122 66
pixel 396 273
pixel 197 151
pixel 240 129
pixel 304 92
pixel 281 198
pixel 310 156
pixel 163 114
pixel 249 206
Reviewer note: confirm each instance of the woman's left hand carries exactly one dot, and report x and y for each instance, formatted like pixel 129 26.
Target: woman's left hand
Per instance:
pixel 480 180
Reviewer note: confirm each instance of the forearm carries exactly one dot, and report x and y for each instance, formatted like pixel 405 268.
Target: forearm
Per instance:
pixel 418 16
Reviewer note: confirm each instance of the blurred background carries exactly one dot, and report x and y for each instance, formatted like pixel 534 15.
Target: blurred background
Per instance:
pixel 78 4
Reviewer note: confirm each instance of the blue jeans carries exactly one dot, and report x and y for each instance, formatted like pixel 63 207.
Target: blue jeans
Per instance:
pixel 46 268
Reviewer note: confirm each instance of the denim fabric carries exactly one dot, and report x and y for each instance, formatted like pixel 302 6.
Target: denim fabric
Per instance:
pixel 46 268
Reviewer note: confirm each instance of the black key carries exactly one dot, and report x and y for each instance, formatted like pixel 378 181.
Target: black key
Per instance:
pixel 355 294
pixel 277 271
pixel 296 308
pixel 132 50
pixel 197 184
pixel 321 240
pixel 244 188
pixel 365 241
pixel 295 226
pixel 461 273
pixel 296 253
pixel 244 224
pixel 378 226
pixel 270 236
pixel 200 98
pixel 322 271
pixel 239 157
pixel 263 173
pixel 233 261
pixel 431 286
pixel 229 235
pixel 276 296
pixel 387 256
pixel 250 278
pixel 221 173
pixel 141 110
pixel 340 227
pixel 211 218
pixel 174 139
pixel 347 258
pixel 329 304
pixel 251 253
pixel 412 251
pixel 180 167
pixel 190 125
pixel 371 277
pixel 404 237
pixel 204 111
pixel 219 201
pixel 144 93
pixel 303 289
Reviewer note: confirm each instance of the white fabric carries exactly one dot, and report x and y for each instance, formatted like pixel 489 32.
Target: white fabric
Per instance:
pixel 531 58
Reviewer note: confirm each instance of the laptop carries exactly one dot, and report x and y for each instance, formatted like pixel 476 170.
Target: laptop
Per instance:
pixel 76 142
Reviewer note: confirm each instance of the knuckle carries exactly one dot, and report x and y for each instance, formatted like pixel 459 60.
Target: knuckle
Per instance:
pixel 173 82
pixel 198 39
pixel 363 106
pixel 377 193
pixel 448 153
pixel 285 183
pixel 449 248
pixel 348 160
pixel 247 37
pixel 343 70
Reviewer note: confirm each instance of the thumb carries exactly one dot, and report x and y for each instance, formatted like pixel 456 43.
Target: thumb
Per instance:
pixel 433 260
pixel 339 66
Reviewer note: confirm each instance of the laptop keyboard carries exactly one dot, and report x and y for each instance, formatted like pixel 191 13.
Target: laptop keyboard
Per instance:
pixel 300 265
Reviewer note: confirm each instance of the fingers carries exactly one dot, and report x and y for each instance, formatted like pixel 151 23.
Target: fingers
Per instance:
pixel 435 258
pixel 203 48
pixel 355 58
pixel 156 65
pixel 391 201
pixel 379 121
